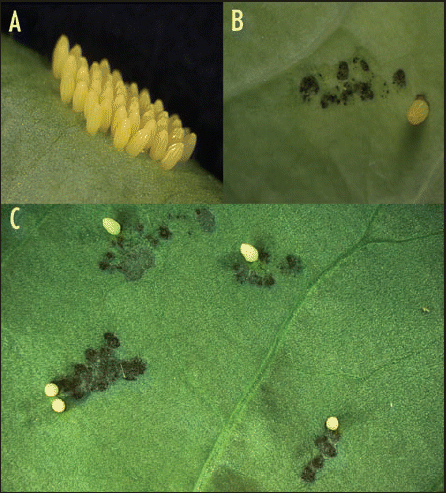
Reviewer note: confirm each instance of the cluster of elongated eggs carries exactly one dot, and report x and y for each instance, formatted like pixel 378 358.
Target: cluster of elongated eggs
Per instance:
pixel 136 123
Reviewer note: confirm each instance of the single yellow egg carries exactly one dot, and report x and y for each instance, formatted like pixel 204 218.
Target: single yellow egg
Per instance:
pixel 138 142
pixel 60 55
pixel 79 96
pixel 190 141
pixel 249 252
pixel 51 389
pixel 106 114
pixel 67 88
pixel 122 134
pixel 418 111
pixel 94 119
pixel 173 155
pixel 112 227
pixel 332 423
pixel 159 147
pixel 58 405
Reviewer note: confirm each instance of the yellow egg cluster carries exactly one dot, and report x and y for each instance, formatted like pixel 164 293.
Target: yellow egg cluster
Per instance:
pixel 136 124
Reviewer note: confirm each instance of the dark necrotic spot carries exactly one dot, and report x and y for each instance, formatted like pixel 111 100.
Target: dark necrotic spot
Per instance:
pixel 79 370
pixel 112 341
pixel 269 281
pixel 399 78
pixel 318 461
pixel 165 232
pixel 308 475
pixel 132 368
pixel 206 219
pixel 342 71
pixel 104 265
pixel 308 86
pixel 365 90
pixel 329 99
pixel 292 265
pixel 364 65
pixel 325 447
pixel 264 256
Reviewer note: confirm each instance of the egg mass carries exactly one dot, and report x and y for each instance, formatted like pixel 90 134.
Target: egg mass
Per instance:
pixel 107 102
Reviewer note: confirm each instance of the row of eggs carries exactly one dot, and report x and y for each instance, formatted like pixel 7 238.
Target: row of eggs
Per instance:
pixel 136 123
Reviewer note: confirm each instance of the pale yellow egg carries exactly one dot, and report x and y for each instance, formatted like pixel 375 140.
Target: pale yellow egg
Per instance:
pixel 249 252
pixel 112 227
pixel 58 405
pixel 332 423
pixel 418 111
pixel 51 389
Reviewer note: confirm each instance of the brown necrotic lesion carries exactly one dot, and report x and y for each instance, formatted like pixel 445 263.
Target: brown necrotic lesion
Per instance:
pixel 308 87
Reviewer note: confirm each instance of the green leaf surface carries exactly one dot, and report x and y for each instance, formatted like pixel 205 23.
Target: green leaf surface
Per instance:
pixel 240 378
pixel 48 157
pixel 280 149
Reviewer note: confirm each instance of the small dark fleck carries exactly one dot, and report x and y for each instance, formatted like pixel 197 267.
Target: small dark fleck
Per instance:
pixel 399 78
pixel 355 60
pixel 364 65
pixel 103 265
pixel 292 265
pixel 165 232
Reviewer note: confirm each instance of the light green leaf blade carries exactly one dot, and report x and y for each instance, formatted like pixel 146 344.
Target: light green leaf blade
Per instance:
pixel 279 149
